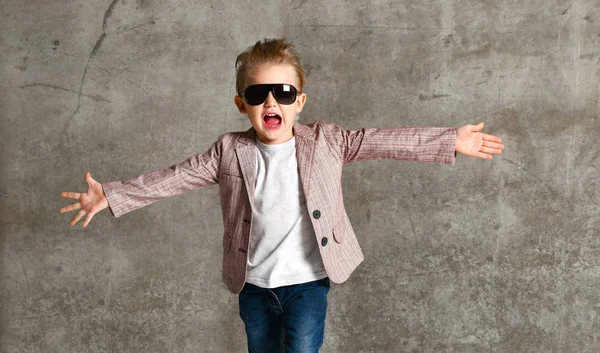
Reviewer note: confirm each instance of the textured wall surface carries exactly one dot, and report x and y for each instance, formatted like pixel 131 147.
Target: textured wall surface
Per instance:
pixel 482 256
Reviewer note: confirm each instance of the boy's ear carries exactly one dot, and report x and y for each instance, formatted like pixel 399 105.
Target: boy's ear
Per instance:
pixel 300 102
pixel 239 103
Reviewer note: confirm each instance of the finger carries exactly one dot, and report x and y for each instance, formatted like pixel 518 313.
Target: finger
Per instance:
pixel 77 217
pixel 72 207
pixel 493 145
pixel 88 219
pixel 490 150
pixel 483 155
pixel 488 137
pixel 477 127
pixel 70 195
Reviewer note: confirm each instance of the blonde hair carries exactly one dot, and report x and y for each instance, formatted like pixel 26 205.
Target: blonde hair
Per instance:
pixel 270 51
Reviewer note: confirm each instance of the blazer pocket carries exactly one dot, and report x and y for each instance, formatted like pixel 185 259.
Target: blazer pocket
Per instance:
pixel 226 242
pixel 338 231
pixel 231 174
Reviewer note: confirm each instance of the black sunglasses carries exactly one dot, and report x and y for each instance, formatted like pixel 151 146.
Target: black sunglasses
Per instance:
pixel 257 94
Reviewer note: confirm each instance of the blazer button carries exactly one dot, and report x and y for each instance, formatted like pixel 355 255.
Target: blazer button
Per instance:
pixel 316 214
pixel 324 241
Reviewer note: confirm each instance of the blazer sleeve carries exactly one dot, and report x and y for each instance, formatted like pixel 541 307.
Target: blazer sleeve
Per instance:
pixel 411 144
pixel 193 173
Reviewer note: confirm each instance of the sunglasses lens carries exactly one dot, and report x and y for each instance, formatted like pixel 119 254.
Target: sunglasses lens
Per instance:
pixel 285 94
pixel 256 94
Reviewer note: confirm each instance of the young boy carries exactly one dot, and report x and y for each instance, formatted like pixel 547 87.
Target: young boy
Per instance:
pixel 286 232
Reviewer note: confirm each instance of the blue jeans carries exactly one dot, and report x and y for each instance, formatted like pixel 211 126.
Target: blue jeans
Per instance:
pixel 288 319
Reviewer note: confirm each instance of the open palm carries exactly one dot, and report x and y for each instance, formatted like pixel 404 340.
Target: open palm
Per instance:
pixel 90 203
pixel 471 142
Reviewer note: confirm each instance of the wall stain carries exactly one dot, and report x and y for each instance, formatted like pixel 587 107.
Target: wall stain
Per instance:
pixel 483 51
pixel 589 56
pixel 23 66
pixel 423 97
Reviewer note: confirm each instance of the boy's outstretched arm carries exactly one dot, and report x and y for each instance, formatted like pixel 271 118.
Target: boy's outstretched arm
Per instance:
pixel 471 142
pixel 125 196
pixel 90 203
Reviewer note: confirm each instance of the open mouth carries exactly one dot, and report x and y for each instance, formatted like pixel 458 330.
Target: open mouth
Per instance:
pixel 272 120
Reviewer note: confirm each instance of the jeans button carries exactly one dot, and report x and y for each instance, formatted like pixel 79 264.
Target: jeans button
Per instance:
pixel 324 241
pixel 316 214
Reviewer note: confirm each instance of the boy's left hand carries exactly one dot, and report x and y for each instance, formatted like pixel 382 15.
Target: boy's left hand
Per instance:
pixel 471 142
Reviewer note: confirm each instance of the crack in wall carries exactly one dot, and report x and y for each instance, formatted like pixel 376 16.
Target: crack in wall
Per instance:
pixel 95 97
pixel 109 11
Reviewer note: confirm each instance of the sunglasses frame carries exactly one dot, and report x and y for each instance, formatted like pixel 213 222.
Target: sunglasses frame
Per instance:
pixel 272 90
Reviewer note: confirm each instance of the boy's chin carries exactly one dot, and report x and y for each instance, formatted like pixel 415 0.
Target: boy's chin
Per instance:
pixel 274 136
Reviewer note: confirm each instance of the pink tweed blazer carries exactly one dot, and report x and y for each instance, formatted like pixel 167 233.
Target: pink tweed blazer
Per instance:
pixel 321 148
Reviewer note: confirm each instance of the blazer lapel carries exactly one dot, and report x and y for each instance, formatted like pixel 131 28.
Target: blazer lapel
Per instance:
pixel 305 145
pixel 246 154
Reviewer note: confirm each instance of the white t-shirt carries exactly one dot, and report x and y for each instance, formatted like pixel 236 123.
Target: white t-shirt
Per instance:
pixel 283 249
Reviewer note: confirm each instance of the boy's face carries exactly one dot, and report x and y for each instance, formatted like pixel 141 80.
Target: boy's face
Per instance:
pixel 278 130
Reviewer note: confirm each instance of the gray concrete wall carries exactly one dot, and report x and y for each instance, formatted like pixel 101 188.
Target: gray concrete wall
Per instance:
pixel 500 256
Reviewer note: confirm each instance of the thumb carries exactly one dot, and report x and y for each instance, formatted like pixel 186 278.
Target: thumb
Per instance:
pixel 88 178
pixel 478 127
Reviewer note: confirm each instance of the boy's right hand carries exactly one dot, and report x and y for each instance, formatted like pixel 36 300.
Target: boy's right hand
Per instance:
pixel 89 203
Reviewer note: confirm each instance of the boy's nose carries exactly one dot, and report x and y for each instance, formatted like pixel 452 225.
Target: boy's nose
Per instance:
pixel 270 100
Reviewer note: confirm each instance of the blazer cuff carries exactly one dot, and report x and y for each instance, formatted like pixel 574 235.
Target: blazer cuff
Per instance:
pixel 448 149
pixel 111 197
